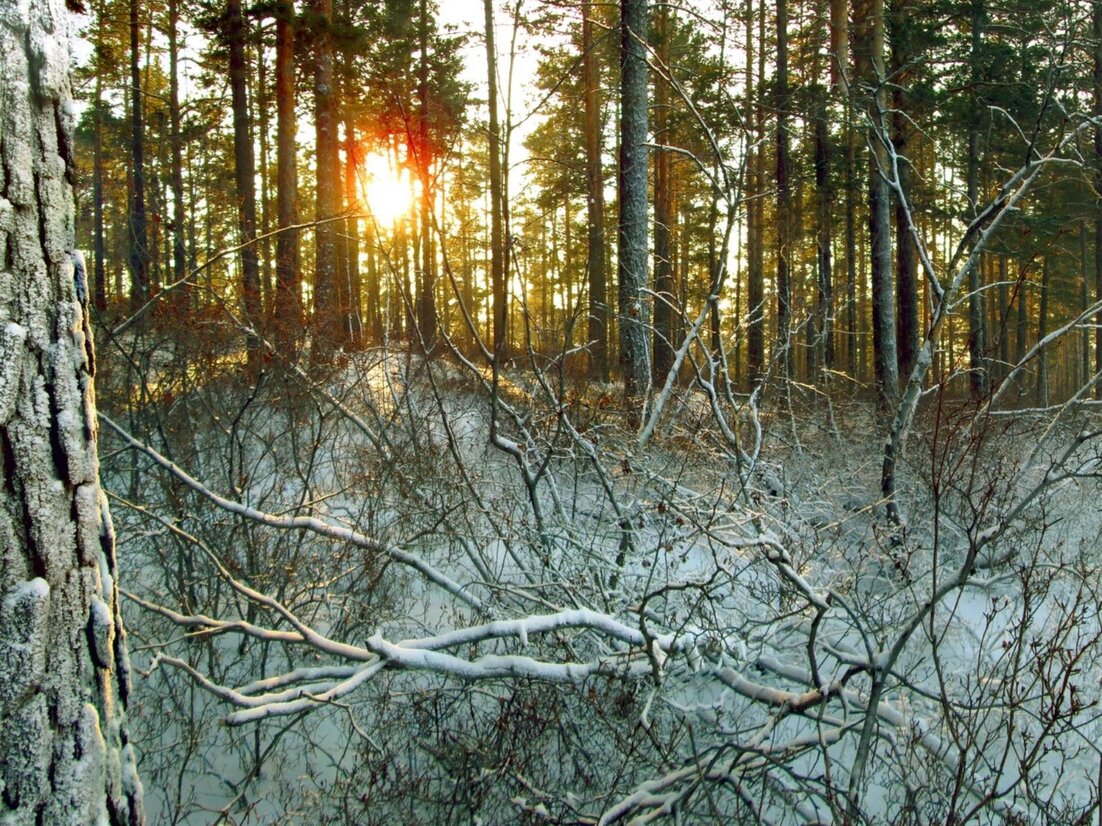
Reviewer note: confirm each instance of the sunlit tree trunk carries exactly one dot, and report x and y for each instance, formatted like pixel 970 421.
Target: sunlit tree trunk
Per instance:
pixel 632 243
pixel 65 755
pixel 595 202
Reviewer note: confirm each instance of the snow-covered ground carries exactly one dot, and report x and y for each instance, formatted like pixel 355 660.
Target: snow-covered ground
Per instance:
pixel 434 607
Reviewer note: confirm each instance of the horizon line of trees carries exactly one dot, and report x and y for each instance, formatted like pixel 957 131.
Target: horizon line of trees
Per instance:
pixel 761 149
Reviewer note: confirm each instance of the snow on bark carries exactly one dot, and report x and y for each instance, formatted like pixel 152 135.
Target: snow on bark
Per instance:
pixel 64 751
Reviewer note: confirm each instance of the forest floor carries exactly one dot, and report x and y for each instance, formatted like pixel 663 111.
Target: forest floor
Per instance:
pixel 763 569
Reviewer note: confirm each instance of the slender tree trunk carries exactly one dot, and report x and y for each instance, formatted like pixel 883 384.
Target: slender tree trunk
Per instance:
pixel 1042 331
pixel 351 275
pixel 139 242
pixel 906 254
pixel 244 175
pixel 182 299
pixel 665 300
pixel 1084 303
pixel 755 230
pixel 263 132
pixel 65 754
pixel 1096 27
pixel 868 49
pixel 499 265
pixel 632 241
pixel 287 312
pixel 784 194
pixel 426 292
pixel 1021 331
pixel 99 252
pixel 977 333
pixel 595 202
pixel 327 196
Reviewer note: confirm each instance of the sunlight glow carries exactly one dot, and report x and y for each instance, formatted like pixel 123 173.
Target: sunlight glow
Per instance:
pixel 388 191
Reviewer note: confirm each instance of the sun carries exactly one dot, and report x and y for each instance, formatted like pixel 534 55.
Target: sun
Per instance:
pixel 387 189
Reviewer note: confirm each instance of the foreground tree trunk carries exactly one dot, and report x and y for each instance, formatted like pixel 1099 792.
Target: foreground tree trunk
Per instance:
pixel 632 246
pixel 64 750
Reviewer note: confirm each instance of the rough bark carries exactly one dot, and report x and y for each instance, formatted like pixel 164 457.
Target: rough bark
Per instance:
pixel 595 203
pixel 65 755
pixel 632 237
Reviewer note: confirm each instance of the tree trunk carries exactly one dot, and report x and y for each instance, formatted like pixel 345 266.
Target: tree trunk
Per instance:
pixel 499 265
pixel 906 254
pixel 665 300
pixel 181 300
pixel 784 195
pixel 595 203
pixel 351 274
pixel 64 670
pixel 99 252
pixel 139 242
pixel 244 165
pixel 755 235
pixel 327 196
pixel 287 312
pixel 868 50
pixel 1096 27
pixel 632 238
pixel 426 292
pixel 977 333
pixel 1042 331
